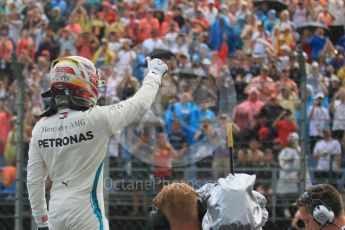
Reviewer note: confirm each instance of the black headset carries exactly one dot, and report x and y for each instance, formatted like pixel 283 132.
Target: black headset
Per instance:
pixel 321 213
pixel 158 221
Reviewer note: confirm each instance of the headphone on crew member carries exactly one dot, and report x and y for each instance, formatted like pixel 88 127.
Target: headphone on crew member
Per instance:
pixel 322 214
pixel 158 221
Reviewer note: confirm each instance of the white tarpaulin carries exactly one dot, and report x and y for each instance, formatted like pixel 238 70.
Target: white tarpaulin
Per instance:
pixel 232 204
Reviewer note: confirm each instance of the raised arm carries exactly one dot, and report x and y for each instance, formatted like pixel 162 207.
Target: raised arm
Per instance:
pixel 126 112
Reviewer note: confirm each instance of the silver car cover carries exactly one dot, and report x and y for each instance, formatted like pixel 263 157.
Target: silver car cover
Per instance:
pixel 233 204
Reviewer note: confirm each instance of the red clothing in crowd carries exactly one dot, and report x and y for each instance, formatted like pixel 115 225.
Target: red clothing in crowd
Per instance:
pixel 146 26
pixel 164 28
pixel 26 44
pixel 6 47
pixel 285 127
pixel 108 14
pixel 162 160
pixel 246 112
pixel 5 127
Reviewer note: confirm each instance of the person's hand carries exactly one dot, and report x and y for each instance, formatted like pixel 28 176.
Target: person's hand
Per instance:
pixel 156 67
pixel 42 222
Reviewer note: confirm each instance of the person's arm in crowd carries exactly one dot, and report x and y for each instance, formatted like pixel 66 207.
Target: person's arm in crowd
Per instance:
pixel 174 153
pixel 279 118
pixel 311 113
pixel 79 7
pixel 331 105
pixel 94 41
pixel 317 153
pixel 338 162
pixel 324 87
pixel 292 7
pixel 329 48
pixel 184 149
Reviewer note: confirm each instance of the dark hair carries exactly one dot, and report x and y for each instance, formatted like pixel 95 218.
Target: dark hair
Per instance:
pixel 327 194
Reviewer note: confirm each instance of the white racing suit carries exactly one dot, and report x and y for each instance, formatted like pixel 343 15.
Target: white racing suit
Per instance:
pixel 70 147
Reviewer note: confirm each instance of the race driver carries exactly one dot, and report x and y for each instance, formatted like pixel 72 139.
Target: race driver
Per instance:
pixel 70 140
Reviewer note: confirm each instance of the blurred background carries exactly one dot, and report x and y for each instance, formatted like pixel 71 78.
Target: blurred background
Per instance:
pixel 275 69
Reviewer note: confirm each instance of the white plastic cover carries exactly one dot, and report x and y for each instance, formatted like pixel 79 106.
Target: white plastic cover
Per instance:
pixel 232 204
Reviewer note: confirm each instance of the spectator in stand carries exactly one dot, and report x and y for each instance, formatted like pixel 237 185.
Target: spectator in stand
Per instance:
pixel 98 27
pixel 242 160
pixel 210 11
pixel 203 112
pixel 289 162
pixel 206 138
pixel 146 26
pixel 128 84
pixel 272 109
pixel 167 24
pixel 170 37
pixel 79 21
pixel 285 81
pixel 325 17
pixel 74 26
pixel 179 141
pixel 285 125
pixel 247 110
pixel 8 179
pixel 57 21
pixel 61 4
pixel 131 27
pixel 337 9
pixel 255 155
pixel 319 43
pixel 26 43
pixel 49 43
pixel 337 107
pixel 272 21
pixel 104 56
pixel 14 24
pixel 152 43
pixel 200 23
pixel 301 13
pixel 264 84
pixel 338 61
pixel 285 20
pixel 334 86
pixel 328 154
pixel 163 154
pixel 319 118
pixel 316 80
pixel 117 26
pixel 67 41
pixel 288 100
pixel 86 43
pixel 125 56
pixel 6 48
pixel 242 12
pixel 108 15
pixel 220 29
pixel 5 126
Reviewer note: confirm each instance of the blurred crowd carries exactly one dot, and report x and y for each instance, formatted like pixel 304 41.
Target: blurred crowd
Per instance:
pixel 214 48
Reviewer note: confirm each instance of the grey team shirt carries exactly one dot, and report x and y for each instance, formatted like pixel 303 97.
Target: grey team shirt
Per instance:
pixel 70 146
